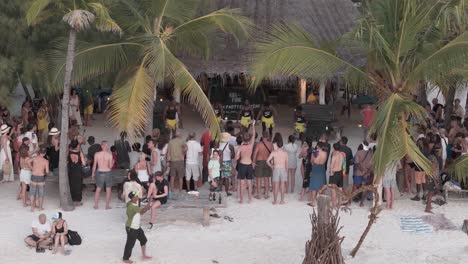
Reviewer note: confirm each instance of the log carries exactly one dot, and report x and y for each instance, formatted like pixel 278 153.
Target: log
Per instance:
pixel 323 206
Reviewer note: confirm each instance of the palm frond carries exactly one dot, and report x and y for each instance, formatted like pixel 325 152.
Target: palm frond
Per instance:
pixel 131 16
pixel 393 134
pixel 79 19
pixel 194 36
pixel 35 9
pixel 130 104
pixel 460 167
pixel 90 60
pixel 288 50
pixel 447 59
pixel 172 11
pixel 104 22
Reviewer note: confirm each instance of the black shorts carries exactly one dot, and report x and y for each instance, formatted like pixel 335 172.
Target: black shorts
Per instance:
pixel 244 171
pixel 336 178
pixel 162 200
pixel 34 238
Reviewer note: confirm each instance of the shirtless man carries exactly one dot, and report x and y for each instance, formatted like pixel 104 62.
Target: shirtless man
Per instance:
pixel 103 160
pixel 244 168
pixel 262 170
pixel 278 161
pixel 40 168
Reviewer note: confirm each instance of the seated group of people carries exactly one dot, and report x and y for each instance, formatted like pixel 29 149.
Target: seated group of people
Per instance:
pixel 48 235
pixel 156 190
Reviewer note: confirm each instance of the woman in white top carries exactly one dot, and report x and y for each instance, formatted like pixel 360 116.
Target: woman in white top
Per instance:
pixel 134 155
pixel 5 154
pixel 142 170
pixel 292 149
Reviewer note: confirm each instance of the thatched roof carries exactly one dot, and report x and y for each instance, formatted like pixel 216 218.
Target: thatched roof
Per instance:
pixel 326 20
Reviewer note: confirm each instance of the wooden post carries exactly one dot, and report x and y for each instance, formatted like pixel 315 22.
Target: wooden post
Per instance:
pixel 206 216
pixel 303 91
pixel 322 93
pixel 177 94
pixel 465 226
pixel 323 205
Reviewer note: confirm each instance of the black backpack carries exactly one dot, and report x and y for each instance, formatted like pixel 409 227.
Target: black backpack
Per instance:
pixel 74 238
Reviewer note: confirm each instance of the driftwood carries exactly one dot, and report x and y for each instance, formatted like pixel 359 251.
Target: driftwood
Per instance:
pixel 324 247
pixel 349 196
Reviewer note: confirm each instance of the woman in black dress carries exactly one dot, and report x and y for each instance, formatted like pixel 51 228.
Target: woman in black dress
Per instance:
pixel 76 160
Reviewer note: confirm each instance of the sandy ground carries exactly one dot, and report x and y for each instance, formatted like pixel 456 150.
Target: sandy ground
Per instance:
pixel 260 232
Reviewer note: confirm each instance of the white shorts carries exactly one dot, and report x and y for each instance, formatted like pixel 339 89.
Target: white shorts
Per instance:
pixel 192 170
pixel 280 175
pixel 25 176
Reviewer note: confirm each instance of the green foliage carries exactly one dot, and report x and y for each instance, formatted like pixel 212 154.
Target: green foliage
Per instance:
pixel 156 32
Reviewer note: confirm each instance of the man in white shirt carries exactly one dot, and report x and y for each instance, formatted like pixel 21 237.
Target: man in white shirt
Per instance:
pixel 192 168
pixel 40 239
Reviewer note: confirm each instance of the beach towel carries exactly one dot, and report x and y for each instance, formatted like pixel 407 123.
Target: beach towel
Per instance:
pixel 414 224
pixel 439 222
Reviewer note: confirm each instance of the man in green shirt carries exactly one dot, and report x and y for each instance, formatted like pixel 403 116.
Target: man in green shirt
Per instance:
pixel 133 228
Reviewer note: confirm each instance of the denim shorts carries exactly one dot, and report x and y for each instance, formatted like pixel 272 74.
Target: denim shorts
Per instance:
pixel 104 179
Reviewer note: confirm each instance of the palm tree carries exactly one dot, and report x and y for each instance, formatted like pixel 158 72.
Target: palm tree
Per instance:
pixel 158 32
pixel 79 15
pixel 403 47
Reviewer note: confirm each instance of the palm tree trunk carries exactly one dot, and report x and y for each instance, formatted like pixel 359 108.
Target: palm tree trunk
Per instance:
pixel 450 97
pixel 64 187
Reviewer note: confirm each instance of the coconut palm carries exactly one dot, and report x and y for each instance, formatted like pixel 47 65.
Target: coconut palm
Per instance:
pixel 79 15
pixel 402 46
pixel 157 33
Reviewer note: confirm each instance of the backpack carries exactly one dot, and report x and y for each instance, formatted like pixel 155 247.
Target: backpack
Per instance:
pixel 74 238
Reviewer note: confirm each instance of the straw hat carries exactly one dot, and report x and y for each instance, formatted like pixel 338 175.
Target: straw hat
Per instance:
pixel 54 131
pixel 225 137
pixel 4 129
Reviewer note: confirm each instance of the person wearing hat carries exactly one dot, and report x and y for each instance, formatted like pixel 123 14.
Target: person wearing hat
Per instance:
pixel 226 155
pixel 6 161
pixel 53 150
pixel 133 227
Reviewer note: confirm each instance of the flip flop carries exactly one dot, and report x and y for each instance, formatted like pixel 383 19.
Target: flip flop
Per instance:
pixel 230 219
pixel 215 215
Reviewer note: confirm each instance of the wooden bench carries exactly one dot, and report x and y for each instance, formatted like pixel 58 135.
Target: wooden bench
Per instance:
pixel 118 175
pixel 187 201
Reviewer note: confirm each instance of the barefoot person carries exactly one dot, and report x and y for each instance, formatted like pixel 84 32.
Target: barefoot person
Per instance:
pixel 41 231
pixel 133 228
pixel 59 233
pixel 338 159
pixel 104 162
pixel 244 167
pixel 172 116
pixel 25 172
pixel 317 176
pixel 267 115
pixel 389 181
pixel 157 194
pixel 278 161
pixel 262 169
pixel 226 155
pixel 245 116
pixel 40 168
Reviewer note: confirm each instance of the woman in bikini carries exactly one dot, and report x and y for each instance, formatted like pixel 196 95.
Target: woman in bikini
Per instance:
pixel 59 233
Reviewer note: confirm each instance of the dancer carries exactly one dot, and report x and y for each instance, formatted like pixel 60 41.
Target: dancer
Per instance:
pixel 172 116
pixel 299 120
pixel 267 115
pixel 244 117
pixel 219 112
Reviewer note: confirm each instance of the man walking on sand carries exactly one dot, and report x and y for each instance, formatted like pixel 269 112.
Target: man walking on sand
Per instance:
pixel 133 228
pixel 103 161
pixel 244 168
pixel 262 170
pixel 40 168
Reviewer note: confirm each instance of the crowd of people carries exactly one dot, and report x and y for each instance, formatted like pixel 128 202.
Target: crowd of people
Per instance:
pixel 239 160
